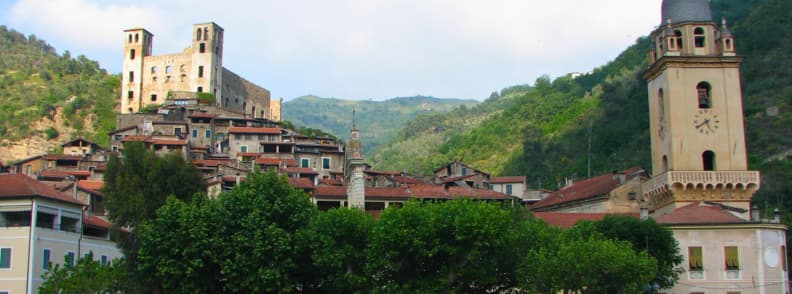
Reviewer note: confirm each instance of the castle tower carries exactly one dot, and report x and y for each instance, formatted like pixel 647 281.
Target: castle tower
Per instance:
pixel 137 45
pixel 207 60
pixel 695 106
pixel 355 169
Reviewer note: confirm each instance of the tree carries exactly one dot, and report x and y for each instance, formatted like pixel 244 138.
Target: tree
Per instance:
pixel 245 241
pixel 86 276
pixel 648 236
pixel 336 242
pixel 455 246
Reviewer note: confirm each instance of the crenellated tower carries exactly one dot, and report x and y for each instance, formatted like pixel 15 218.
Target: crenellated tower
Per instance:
pixel 696 112
pixel 207 59
pixel 137 45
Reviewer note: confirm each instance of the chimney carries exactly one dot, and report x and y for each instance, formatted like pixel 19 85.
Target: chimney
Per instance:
pixel 776 215
pixel 755 213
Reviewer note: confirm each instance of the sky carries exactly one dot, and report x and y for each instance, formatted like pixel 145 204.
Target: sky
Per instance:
pixel 358 49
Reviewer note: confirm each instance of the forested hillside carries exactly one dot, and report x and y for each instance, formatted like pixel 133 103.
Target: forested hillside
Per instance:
pixel 599 122
pixel 378 121
pixel 46 98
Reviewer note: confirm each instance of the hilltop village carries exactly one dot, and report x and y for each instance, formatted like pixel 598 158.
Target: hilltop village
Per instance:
pixel 699 184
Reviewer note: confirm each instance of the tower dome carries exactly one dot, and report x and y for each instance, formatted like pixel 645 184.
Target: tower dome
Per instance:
pixel 686 10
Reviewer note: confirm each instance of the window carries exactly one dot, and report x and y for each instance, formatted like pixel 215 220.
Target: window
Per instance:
pixel 137 38
pixel 708 160
pixel 195 133
pixel 732 258
pixel 130 94
pixel 704 91
pixel 698 36
pixel 783 258
pixel 200 89
pixel 5 257
pixel 509 189
pixel 304 162
pixel 202 48
pixel 198 34
pixel 104 260
pixel 70 258
pixel 665 163
pixel 208 134
pixel 464 170
pixel 678 35
pixel 130 38
pixel 177 131
pixel 325 162
pixel 695 259
pixel 243 148
pixel 661 104
pixel 153 69
pixel 168 69
pixel 153 97
pixel 131 76
pixel 132 54
pixel 45 259
pixel 728 44
pixel 200 71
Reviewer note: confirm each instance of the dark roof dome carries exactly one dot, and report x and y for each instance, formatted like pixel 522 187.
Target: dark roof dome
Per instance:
pixel 686 10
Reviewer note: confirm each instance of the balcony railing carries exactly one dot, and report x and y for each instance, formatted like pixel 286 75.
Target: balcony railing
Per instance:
pixel 742 179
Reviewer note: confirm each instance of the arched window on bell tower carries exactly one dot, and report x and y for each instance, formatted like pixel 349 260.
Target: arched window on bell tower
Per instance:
pixel 703 92
pixel 678 35
pixel 708 160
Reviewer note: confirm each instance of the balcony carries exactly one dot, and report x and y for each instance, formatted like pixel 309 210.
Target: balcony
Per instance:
pixel 704 180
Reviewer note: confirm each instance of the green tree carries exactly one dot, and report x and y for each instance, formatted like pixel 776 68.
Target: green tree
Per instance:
pixel 86 276
pixel 245 241
pixel 455 246
pixel 648 236
pixel 336 242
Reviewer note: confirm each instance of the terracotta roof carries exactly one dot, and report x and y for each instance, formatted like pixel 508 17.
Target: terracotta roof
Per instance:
pixel 252 130
pixel 407 180
pixel 276 143
pixel 79 139
pixel 51 173
pixel 505 180
pixel 169 123
pixel 169 142
pixel 19 185
pixel 84 173
pixel 302 183
pixel 698 213
pixel 569 219
pixel 247 154
pixel 131 138
pixel 268 161
pixel 95 221
pixel 91 186
pixel 417 191
pixel 291 162
pixel 206 162
pixel 585 189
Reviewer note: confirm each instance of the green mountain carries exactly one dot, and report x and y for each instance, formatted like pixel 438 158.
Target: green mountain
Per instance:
pixel 378 121
pixel 46 98
pixel 592 124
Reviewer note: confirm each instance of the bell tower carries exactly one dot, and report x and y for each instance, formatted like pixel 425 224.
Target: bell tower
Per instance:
pixel 137 45
pixel 207 60
pixel 696 113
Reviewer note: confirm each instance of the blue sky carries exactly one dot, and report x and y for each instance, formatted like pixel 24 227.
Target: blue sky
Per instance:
pixel 359 49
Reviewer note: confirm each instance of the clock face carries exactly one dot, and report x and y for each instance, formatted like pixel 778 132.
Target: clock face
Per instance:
pixel 706 122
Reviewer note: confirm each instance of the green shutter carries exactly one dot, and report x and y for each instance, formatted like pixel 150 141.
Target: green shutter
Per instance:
pixel 5 257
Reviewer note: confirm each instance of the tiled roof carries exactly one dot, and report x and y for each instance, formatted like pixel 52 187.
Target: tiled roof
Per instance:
pixel 331 182
pixel 247 154
pixel 199 147
pixel 454 179
pixel 79 139
pixel 51 173
pixel 91 186
pixel 698 213
pixel 62 157
pixel 206 162
pixel 417 191
pixel 302 183
pixel 19 185
pixel 95 221
pixel 252 130
pixel 407 180
pixel 301 170
pixel 585 189
pixel 569 219
pixel 169 142
pixel 291 162
pixel 506 180
pixel 142 138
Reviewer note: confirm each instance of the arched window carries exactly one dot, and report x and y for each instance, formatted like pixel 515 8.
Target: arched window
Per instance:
pixel 206 34
pixel 703 91
pixel 168 69
pixel 678 35
pixel 665 163
pixel 137 38
pixel 698 35
pixel 708 159
pixel 661 104
pixel 198 34
pixel 153 69
pixel 130 38
pixel 728 44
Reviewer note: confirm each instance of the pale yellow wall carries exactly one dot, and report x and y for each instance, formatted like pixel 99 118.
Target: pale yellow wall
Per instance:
pixel 15 278
pixel 757 245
